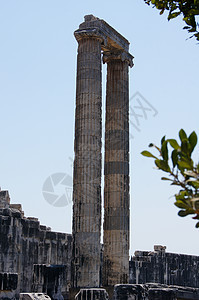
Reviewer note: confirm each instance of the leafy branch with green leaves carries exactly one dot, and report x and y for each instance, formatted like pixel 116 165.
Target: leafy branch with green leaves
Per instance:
pixel 188 8
pixel 182 171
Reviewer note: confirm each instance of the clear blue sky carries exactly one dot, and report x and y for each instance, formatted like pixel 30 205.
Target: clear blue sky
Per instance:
pixel 37 105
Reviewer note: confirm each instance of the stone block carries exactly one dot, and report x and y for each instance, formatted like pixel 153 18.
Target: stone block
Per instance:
pixel 51 235
pixel 6 212
pixel 5 220
pixel 16 206
pixel 92 294
pixel 159 248
pixel 165 268
pixel 161 294
pixel 4 199
pixel 43 227
pixel 128 292
pixel 33 296
pixel 154 292
pixel 33 223
pixel 7 295
pixel 16 213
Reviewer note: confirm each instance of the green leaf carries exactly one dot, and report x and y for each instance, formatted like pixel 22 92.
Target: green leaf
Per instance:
pixel 182 213
pixel 174 15
pixel 197 225
pixel 182 135
pixel 163 139
pixel 174 157
pixel 148 154
pixel 185 165
pixel 187 160
pixel 181 195
pixel 190 211
pixel 187 20
pixel 189 10
pixel 181 204
pixel 151 145
pixel 193 140
pixel 195 10
pixel 162 11
pixel 174 144
pixel 186 27
pixel 163 165
pixel 164 151
pixel 185 147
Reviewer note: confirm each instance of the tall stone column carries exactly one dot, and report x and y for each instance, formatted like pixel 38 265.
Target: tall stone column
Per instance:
pixel 87 163
pixel 116 170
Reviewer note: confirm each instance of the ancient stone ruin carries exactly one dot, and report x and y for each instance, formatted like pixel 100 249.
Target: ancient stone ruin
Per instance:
pixel 96 38
pixel 158 266
pixel 37 263
pixel 30 253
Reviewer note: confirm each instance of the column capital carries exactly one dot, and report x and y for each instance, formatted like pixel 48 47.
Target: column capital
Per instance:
pixel 118 55
pixel 90 33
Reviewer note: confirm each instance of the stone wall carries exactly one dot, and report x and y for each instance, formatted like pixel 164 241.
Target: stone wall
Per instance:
pixel 165 268
pixel 154 292
pixel 51 280
pixel 24 242
pixel 40 259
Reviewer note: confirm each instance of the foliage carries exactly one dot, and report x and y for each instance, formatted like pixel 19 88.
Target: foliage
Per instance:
pixel 188 8
pixel 181 169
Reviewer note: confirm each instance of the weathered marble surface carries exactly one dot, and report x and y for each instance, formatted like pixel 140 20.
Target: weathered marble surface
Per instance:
pixel 34 296
pixel 8 285
pixel 87 164
pixel 154 292
pixel 51 279
pixel 92 294
pixel 158 266
pixel 116 174
pixel 94 36
pixel 24 242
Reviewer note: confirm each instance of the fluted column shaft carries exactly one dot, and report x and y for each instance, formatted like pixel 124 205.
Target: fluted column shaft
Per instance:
pixel 87 164
pixel 116 174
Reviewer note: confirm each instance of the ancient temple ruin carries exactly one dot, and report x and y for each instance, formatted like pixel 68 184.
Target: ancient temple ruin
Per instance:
pixel 96 38
pixel 35 260
pixel 37 263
